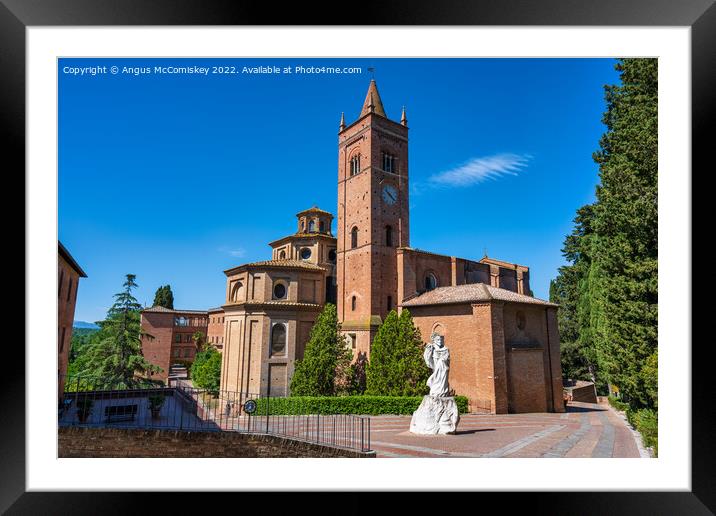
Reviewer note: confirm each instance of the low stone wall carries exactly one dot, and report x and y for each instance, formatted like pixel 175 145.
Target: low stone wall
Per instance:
pixel 580 391
pixel 121 442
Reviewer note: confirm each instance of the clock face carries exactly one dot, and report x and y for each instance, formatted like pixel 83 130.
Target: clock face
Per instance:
pixel 390 195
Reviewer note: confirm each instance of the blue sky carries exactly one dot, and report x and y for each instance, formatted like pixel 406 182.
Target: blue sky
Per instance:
pixel 176 178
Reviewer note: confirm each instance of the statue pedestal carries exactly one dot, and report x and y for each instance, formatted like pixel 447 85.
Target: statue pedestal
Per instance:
pixel 435 415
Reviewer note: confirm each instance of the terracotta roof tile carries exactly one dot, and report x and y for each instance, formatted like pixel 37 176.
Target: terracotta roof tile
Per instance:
pixel 474 292
pixel 169 310
pixel 314 209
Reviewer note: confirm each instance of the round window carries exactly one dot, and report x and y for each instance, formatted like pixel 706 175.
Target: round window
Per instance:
pixel 279 291
pixel 305 253
pixel 332 255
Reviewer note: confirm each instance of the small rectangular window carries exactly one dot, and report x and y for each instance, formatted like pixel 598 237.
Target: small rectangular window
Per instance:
pixel 69 290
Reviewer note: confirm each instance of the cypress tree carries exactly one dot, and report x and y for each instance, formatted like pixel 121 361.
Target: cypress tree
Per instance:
pixel 164 297
pixel 608 294
pixel 396 366
pixel 326 360
pixel 623 278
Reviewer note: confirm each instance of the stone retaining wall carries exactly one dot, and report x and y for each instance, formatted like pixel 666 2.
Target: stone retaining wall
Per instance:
pixel 121 442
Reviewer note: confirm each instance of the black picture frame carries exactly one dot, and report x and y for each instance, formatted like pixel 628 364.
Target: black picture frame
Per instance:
pixel 700 15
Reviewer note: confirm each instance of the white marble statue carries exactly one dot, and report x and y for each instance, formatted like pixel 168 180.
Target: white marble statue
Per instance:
pixel 437 413
pixel 437 357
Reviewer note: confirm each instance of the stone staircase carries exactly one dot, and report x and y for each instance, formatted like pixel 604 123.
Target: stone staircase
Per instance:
pixel 178 372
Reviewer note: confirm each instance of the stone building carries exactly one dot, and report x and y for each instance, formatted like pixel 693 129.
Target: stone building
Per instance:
pixel 504 342
pixel 167 337
pixel 215 329
pixel 271 307
pixel 68 281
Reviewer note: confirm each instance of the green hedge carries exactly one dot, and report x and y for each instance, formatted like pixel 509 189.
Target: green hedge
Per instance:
pixel 363 405
pixel 645 421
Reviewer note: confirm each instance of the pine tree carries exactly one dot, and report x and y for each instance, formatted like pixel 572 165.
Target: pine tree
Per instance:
pixel 116 360
pixel 164 297
pixel 325 366
pixel 396 366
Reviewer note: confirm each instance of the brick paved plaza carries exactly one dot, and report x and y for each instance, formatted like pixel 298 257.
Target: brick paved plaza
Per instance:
pixel 585 430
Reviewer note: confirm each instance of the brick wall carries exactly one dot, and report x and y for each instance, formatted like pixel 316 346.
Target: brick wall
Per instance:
pixel 116 442
pixel 68 281
pixel 582 391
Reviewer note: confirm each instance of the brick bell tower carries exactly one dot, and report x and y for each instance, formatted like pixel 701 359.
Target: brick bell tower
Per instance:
pixel 372 218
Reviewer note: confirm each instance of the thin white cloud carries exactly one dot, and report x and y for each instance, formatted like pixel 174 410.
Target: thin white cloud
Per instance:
pixel 238 252
pixel 481 169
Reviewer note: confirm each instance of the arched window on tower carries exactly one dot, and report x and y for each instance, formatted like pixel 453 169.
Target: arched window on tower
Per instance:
pixel 389 236
pixel 355 165
pixel 354 237
pixel 389 163
pixel 312 226
pixel 353 303
pixel 321 227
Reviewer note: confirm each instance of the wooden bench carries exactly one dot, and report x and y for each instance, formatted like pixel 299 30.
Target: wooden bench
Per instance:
pixel 120 413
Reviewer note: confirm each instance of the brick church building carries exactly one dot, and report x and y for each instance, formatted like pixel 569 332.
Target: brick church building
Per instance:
pixel 504 342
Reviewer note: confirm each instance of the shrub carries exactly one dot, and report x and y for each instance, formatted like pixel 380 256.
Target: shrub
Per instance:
pixel 646 422
pixel 359 405
pixel 618 404
pixel 206 370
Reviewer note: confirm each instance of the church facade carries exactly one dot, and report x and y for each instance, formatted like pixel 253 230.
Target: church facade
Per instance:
pixel 504 342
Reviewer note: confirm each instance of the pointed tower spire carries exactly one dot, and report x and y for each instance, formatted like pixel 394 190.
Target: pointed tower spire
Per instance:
pixel 404 118
pixel 343 122
pixel 372 103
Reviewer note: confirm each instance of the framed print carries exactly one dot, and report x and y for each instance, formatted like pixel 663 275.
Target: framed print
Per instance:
pixel 417 250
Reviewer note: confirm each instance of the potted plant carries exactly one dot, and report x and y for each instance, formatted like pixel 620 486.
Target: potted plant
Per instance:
pixel 84 409
pixel 155 404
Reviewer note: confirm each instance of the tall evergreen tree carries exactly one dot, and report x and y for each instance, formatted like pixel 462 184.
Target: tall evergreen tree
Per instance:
pixel 164 297
pixel 116 359
pixel 568 290
pixel 623 278
pixel 396 366
pixel 325 366
pixel 608 293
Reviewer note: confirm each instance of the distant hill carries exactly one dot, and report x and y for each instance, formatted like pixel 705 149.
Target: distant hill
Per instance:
pixel 83 324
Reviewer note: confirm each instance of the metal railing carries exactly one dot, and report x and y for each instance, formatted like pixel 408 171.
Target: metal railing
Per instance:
pixel 93 403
